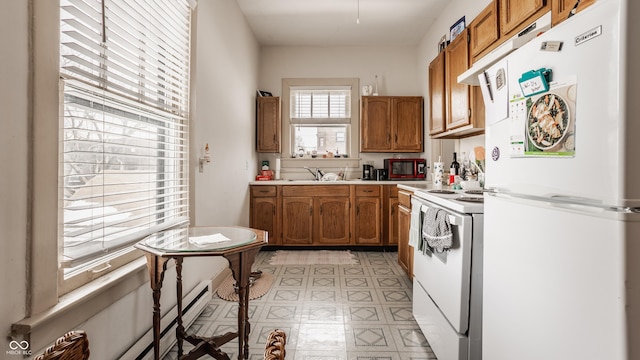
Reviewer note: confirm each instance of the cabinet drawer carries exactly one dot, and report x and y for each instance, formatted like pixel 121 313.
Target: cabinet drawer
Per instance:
pixel 404 198
pixel 263 190
pixel 367 190
pixel 315 190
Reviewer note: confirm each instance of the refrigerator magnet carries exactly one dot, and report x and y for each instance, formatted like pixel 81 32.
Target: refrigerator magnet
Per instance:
pixel 535 81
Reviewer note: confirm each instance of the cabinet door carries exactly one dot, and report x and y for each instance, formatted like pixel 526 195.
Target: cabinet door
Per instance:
pixel 375 127
pixel 263 216
pixel 514 13
pixel 405 252
pixel 332 220
pixel 438 106
pixel 484 30
pixel 457 62
pixel 407 123
pixel 392 214
pixel 561 9
pixel 368 216
pixel 268 124
pixel 297 220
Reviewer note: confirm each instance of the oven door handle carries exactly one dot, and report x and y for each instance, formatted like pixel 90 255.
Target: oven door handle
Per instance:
pixel 453 220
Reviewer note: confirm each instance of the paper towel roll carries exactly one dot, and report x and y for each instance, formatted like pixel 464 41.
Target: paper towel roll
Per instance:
pixel 278 169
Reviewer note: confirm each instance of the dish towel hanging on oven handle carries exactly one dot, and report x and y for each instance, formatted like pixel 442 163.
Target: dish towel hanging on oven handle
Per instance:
pixel 436 230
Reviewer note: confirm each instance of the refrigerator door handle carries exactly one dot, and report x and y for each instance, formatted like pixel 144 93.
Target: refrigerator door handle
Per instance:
pixel 576 200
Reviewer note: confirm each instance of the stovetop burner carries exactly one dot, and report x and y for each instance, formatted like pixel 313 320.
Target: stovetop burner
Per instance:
pixel 474 192
pixel 436 191
pixel 473 199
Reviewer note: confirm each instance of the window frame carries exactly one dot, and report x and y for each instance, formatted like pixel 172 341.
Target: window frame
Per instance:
pixel 288 161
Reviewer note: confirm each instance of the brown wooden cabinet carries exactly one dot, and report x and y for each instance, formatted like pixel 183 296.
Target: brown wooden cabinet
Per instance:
pixel 367 215
pixel 332 220
pixel 405 252
pixel 437 95
pixel 315 215
pixel 464 114
pixel 391 124
pixel 560 9
pixel 268 124
pixel 517 14
pixel 484 31
pixel 391 224
pixel 264 214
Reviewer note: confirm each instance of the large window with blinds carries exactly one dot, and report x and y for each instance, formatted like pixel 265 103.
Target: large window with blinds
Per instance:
pixel 320 118
pixel 124 94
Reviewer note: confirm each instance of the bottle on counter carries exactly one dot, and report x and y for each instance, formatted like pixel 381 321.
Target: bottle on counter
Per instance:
pixel 454 169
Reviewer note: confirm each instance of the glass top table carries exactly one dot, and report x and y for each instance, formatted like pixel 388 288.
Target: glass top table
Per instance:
pixel 199 239
pixel 239 245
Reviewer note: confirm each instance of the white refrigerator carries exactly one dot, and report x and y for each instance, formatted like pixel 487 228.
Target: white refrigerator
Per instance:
pixel 562 230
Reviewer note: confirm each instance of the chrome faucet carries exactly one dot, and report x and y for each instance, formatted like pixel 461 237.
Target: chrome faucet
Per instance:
pixel 318 174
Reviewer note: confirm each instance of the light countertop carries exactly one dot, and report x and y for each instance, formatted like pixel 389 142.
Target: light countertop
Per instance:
pixel 406 185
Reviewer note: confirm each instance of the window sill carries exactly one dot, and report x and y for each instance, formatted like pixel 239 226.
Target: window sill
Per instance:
pixel 81 304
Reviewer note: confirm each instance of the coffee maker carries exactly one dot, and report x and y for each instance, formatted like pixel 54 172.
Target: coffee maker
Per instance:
pixel 367 172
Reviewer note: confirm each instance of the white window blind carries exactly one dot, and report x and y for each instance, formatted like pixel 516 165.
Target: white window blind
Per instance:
pixel 125 85
pixel 329 105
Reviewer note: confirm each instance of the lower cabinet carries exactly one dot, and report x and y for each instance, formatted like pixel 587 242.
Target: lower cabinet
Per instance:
pixel 326 215
pixel 264 214
pixel 405 252
pixel 368 215
pixel 315 215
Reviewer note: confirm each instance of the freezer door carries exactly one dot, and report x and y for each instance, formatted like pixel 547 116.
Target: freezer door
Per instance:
pixel 604 166
pixel 554 283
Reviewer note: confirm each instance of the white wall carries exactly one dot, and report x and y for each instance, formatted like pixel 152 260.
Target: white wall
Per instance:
pixel 225 81
pixel 427 51
pixel 14 158
pixel 397 69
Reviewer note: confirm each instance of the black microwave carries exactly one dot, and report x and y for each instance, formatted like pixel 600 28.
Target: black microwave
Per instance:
pixel 406 169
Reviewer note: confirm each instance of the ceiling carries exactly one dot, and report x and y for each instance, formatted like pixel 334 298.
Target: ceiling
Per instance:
pixel 333 22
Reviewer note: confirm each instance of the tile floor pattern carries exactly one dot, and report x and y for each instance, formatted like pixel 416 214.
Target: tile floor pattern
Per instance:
pixel 336 312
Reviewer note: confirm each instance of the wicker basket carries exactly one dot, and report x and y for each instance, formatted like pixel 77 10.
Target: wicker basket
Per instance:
pixel 274 348
pixel 74 345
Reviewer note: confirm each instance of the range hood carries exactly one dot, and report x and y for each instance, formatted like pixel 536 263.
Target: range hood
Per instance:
pixel 470 76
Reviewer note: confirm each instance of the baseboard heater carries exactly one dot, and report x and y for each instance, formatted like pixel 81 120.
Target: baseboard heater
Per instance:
pixel 193 305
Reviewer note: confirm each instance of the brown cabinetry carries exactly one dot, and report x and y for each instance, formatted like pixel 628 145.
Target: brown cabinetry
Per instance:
pixel 561 9
pixel 315 215
pixel 437 95
pixel 405 252
pixel 464 115
pixel 368 215
pixel 268 124
pixel 517 14
pixel 391 225
pixel 264 214
pixel 483 31
pixel 391 124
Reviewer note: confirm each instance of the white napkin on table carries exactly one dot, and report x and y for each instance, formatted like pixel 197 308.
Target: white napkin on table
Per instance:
pixel 208 239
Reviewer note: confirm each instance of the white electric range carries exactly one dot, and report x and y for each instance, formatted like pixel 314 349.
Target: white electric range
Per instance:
pixel 447 286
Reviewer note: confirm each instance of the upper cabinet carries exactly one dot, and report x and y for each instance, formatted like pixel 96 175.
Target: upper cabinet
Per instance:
pixel 268 124
pixel 391 124
pixel 438 108
pixel 562 9
pixel 464 109
pixel 516 14
pixel 483 31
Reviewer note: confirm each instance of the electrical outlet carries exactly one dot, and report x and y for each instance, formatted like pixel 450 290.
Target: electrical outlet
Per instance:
pixel 246 164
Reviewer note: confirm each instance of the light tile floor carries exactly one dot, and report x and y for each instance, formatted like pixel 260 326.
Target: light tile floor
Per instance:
pixel 337 312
